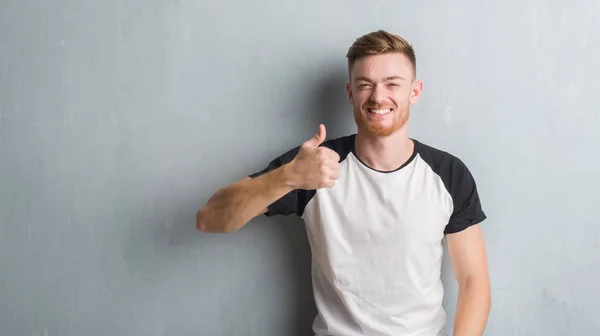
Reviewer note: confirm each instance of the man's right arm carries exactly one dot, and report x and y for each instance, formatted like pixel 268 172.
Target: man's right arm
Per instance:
pixel 233 206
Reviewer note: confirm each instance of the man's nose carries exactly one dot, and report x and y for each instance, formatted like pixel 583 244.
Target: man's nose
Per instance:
pixel 378 94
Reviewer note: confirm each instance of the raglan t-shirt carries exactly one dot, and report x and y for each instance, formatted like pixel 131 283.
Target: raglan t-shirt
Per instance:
pixel 376 239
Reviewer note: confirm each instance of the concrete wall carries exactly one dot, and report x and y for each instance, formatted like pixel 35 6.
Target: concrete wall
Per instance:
pixel 118 119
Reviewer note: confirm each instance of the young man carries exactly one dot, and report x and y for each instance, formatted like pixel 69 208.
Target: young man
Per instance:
pixel 377 205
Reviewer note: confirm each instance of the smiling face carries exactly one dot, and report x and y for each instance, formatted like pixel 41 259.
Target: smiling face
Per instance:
pixel 381 89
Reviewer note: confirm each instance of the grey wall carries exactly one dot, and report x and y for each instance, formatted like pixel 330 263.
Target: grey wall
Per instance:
pixel 118 119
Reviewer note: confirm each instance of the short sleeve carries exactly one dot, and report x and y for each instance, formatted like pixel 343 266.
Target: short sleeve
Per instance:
pixel 465 197
pixel 293 202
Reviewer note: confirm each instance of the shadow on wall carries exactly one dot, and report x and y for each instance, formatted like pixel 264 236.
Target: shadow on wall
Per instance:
pixel 329 103
pixel 165 230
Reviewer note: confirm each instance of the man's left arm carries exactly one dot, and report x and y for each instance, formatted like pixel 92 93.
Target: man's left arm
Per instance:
pixel 469 262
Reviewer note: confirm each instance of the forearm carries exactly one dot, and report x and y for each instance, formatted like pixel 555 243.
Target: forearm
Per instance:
pixel 472 309
pixel 233 206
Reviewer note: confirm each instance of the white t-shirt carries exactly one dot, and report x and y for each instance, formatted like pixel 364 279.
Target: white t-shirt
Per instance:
pixel 376 239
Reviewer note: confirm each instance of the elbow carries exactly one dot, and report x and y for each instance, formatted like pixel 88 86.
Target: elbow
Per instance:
pixel 204 224
pixel 200 221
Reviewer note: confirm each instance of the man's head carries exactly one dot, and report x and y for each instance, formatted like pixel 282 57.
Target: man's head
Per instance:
pixel 382 82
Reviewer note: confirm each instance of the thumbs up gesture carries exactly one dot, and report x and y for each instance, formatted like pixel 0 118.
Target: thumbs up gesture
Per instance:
pixel 315 167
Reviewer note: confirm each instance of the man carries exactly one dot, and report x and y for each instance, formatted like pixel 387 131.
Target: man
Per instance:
pixel 377 205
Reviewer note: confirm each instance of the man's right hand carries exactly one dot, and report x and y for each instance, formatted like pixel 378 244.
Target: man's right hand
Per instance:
pixel 315 167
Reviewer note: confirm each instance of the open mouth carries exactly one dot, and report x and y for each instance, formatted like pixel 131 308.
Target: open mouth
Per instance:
pixel 379 111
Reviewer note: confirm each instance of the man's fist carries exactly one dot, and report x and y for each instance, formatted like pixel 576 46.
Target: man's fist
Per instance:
pixel 315 167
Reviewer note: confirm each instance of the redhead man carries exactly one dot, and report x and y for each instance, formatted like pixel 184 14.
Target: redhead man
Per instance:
pixel 377 205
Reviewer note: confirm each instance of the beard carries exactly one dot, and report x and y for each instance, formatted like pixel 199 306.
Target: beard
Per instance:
pixel 377 128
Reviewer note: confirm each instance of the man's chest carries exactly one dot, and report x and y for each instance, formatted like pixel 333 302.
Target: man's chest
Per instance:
pixel 406 207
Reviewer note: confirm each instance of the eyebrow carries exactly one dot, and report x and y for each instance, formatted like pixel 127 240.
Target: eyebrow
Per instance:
pixel 362 78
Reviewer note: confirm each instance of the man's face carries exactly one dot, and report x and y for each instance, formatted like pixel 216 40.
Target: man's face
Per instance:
pixel 381 90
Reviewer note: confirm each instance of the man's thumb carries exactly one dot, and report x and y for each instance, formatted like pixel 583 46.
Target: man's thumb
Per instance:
pixel 318 139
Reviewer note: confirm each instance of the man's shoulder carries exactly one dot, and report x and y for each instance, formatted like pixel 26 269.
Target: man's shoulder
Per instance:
pixel 435 155
pixel 459 183
pixel 448 166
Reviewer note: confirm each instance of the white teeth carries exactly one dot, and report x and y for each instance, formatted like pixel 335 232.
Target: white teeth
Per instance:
pixel 380 111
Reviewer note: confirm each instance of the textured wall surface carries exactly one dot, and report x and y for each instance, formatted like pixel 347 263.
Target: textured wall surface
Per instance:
pixel 118 119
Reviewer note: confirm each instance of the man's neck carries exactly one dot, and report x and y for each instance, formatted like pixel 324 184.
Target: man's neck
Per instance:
pixel 384 153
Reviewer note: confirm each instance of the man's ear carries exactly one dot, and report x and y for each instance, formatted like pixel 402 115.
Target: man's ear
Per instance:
pixel 349 91
pixel 415 93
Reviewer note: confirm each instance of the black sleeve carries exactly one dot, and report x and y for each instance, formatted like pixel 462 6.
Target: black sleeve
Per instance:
pixel 295 201
pixel 467 205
